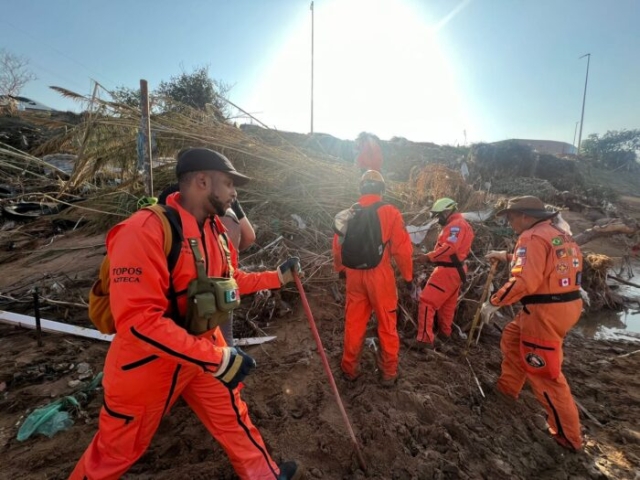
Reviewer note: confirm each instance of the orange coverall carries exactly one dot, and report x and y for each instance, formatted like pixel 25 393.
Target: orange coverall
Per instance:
pixel 370 156
pixel 153 361
pixel 440 295
pixel 375 289
pixel 546 271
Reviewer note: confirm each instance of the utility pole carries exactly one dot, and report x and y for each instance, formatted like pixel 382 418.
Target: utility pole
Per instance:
pixel 144 140
pixel 312 22
pixel 575 132
pixel 584 97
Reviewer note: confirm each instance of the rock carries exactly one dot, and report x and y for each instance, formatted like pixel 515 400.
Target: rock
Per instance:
pixel 315 473
pixel 85 376
pixel 74 383
pixel 83 367
pixel 60 367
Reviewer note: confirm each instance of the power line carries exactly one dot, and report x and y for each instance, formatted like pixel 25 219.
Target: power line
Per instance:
pixel 60 52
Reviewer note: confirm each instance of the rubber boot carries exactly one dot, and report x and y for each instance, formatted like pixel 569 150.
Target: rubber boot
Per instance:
pixel 291 470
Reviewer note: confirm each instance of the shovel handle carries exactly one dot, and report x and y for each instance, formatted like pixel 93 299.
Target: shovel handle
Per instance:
pixel 327 370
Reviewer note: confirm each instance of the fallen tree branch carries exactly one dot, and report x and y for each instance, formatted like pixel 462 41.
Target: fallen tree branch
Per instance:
pixel 614 228
pixel 66 304
pixel 625 282
pixel 628 354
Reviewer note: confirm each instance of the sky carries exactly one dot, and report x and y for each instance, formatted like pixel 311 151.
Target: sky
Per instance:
pixel 443 71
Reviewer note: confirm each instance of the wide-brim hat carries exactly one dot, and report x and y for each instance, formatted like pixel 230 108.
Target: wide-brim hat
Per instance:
pixel 204 159
pixel 528 205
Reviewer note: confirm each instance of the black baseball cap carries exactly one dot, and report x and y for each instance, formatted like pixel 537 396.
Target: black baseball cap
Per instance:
pixel 203 159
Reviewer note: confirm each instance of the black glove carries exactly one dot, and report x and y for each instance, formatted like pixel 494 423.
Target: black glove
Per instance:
pixel 408 285
pixel 234 367
pixel 286 269
pixel 237 209
pixel 342 275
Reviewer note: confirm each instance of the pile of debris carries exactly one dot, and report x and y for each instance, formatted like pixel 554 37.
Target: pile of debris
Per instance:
pixel 291 202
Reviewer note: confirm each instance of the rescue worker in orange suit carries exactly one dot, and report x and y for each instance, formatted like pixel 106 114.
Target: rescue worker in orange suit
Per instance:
pixel 240 233
pixel 546 272
pixel 153 360
pixel 374 289
pixel 369 153
pixel 440 295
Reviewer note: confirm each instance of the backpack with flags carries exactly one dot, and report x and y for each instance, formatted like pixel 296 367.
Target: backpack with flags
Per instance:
pixel 362 245
pixel 99 304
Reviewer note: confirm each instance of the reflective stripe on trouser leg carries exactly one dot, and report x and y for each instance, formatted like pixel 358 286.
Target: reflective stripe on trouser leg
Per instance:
pixel 563 417
pixel 225 415
pixel 133 410
pixel 425 323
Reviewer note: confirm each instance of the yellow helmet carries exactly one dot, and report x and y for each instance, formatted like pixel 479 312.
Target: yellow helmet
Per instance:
pixel 443 204
pixel 372 182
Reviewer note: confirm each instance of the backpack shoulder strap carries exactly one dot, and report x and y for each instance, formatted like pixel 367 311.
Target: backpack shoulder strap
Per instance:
pixel 173 237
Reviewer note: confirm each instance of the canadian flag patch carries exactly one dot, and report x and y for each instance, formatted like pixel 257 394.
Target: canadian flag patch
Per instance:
pixel 565 282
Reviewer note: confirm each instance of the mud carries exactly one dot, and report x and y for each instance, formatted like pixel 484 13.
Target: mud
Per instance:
pixel 435 424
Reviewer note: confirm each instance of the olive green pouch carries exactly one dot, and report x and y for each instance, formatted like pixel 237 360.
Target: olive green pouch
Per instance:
pixel 209 299
pixel 227 293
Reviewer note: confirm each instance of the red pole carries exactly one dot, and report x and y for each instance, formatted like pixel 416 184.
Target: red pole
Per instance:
pixel 327 370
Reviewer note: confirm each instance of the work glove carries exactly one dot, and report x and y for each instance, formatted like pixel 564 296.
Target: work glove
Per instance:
pixel 423 259
pixel 342 275
pixel 286 269
pixel 499 255
pixel 234 367
pixel 237 209
pixel 487 311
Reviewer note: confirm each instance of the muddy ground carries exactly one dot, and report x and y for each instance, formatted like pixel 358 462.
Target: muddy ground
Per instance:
pixel 434 425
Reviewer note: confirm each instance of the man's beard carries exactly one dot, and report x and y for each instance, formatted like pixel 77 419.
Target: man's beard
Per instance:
pixel 217 205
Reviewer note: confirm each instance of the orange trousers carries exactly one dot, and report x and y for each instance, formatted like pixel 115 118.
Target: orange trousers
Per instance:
pixel 141 388
pixel 367 291
pixel 438 302
pixel 532 350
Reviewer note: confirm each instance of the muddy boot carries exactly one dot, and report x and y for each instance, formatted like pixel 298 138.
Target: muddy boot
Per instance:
pixel 447 345
pixel 415 344
pixel 350 378
pixel 563 442
pixel 291 470
pixel 388 382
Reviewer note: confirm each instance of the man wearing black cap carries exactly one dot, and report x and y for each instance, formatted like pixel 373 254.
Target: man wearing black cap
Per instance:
pixel 546 272
pixel 157 354
pixel 240 233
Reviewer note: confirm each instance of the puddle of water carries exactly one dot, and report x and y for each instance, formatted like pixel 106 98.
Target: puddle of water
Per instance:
pixel 611 325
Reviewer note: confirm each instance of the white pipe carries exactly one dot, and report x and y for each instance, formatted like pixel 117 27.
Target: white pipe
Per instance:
pixel 26 321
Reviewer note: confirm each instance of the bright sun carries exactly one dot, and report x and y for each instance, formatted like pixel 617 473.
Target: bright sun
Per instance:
pixel 379 67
